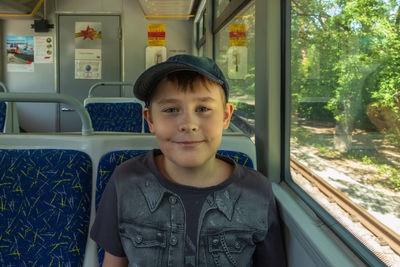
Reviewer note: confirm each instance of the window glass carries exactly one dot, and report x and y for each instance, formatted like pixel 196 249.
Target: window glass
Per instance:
pixel 202 51
pixel 235 54
pixel 219 7
pixel 345 102
pixel 202 28
pixel 201 33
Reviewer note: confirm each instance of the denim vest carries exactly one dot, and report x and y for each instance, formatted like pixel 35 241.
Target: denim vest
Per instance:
pixel 232 223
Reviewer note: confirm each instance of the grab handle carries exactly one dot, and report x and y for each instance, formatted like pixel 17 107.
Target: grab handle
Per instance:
pixel 87 128
pixel 107 84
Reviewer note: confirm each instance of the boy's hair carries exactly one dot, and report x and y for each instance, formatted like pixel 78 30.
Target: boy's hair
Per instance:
pixel 201 66
pixel 185 81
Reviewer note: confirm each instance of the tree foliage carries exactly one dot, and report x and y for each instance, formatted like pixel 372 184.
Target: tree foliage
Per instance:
pixel 347 51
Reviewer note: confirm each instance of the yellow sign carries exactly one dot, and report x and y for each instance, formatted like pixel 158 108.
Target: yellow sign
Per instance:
pixel 237 34
pixel 156 34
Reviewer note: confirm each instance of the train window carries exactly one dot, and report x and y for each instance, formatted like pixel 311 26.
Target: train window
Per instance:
pixel 345 115
pixel 201 32
pixel 235 54
pixel 219 7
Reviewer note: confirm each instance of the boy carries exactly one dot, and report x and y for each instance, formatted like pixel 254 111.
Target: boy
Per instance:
pixel 183 205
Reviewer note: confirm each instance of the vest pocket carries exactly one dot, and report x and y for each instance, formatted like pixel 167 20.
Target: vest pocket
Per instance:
pixel 143 245
pixel 231 248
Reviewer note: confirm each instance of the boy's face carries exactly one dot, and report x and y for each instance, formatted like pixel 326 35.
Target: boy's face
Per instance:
pixel 188 124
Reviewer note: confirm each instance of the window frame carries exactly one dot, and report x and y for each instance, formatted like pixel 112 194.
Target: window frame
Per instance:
pixel 233 8
pixel 201 26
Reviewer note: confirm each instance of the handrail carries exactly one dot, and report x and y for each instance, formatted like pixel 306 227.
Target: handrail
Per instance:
pixel 33 13
pixel 107 83
pixel 4 87
pixel 87 128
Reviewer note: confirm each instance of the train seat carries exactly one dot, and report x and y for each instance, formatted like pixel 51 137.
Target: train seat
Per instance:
pixel 45 197
pixel 116 114
pixel 111 160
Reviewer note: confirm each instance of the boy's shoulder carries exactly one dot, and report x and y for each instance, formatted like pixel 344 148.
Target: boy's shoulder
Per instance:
pixel 250 179
pixel 134 168
pixel 250 174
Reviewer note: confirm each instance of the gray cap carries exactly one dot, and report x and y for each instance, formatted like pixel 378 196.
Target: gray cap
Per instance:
pixel 149 79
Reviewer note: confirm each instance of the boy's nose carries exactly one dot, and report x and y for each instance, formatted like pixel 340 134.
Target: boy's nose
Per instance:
pixel 188 124
pixel 188 127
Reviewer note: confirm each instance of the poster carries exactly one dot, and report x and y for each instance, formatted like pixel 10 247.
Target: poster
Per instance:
pixel 20 53
pixel 87 69
pixel 88 42
pixel 43 49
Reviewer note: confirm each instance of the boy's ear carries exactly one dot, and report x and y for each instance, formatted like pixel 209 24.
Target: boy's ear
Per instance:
pixel 147 116
pixel 228 111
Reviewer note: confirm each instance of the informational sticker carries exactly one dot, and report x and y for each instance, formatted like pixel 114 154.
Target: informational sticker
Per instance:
pixel 156 34
pixel 237 34
pixel 88 43
pixel 93 54
pixel 237 62
pixel 44 49
pixel 87 69
pixel 88 31
pixel 155 55
pixel 20 53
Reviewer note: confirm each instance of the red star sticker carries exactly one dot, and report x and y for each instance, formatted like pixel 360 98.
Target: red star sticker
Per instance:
pixel 88 33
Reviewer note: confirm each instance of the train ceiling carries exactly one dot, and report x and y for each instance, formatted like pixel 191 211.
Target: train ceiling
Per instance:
pixel 150 8
pixel 168 7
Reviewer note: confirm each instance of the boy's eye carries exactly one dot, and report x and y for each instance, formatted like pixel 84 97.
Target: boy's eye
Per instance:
pixel 170 110
pixel 203 109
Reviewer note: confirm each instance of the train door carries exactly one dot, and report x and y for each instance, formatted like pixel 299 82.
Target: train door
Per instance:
pixel 89 52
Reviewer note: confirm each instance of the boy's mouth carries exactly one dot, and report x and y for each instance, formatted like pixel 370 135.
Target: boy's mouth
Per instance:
pixel 188 143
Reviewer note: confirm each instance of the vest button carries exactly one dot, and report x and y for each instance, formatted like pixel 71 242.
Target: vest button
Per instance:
pixel 159 237
pixel 215 241
pixel 172 200
pixel 173 240
pixel 147 183
pixel 237 245
pixel 139 239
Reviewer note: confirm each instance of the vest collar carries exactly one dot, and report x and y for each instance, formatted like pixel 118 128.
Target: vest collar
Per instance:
pixel 224 200
pixel 152 191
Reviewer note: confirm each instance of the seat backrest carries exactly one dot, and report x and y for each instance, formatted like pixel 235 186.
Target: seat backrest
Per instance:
pixel 111 160
pixel 45 197
pixel 115 114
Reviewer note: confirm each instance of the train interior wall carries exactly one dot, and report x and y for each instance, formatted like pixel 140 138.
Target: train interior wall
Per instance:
pixel 37 117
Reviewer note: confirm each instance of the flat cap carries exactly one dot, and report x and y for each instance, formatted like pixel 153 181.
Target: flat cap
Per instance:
pixel 149 79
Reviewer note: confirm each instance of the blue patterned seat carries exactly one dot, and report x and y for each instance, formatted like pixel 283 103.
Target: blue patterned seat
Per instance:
pixel 116 117
pixel 3 109
pixel 111 160
pixel 45 197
